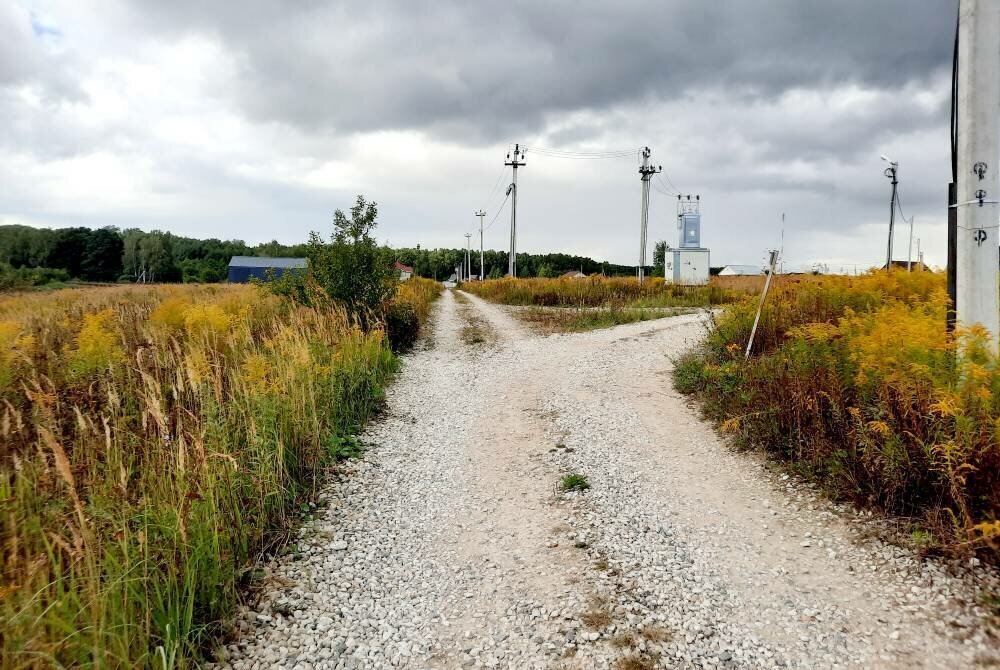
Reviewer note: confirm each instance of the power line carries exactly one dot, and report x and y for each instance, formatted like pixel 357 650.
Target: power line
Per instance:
pixel 583 155
pixel 496 185
pixel 671 183
pixel 660 188
pixel 499 210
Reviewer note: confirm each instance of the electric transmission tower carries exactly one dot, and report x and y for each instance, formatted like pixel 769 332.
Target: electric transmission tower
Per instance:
pixel 646 172
pixel 482 264
pixel 515 162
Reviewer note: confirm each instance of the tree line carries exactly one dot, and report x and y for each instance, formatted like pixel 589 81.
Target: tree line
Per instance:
pixel 441 263
pixel 109 255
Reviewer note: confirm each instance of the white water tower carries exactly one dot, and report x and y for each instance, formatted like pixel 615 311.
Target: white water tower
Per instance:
pixel 688 264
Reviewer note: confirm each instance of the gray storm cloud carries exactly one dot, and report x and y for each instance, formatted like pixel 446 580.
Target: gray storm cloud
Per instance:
pixel 490 70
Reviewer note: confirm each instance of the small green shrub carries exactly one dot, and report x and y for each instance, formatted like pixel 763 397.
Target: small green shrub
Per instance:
pixel 346 447
pixel 689 373
pixel 575 482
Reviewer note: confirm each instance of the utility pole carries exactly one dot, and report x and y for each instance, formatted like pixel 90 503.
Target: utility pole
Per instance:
pixel 646 172
pixel 515 162
pixel 909 248
pixel 978 157
pixel 891 172
pixel 781 252
pixel 468 256
pixel 482 263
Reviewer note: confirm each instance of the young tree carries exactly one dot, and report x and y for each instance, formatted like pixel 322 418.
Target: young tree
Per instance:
pixel 352 267
pixel 659 258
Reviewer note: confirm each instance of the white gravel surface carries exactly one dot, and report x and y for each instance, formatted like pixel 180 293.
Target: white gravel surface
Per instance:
pixel 450 545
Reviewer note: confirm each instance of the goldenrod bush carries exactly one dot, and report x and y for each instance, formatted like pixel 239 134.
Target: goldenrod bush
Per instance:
pixel 856 382
pixel 154 442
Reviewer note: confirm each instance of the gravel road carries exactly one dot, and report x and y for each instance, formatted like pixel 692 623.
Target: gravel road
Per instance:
pixel 449 545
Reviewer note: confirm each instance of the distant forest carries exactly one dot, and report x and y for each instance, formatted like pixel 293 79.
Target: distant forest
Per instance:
pixel 109 255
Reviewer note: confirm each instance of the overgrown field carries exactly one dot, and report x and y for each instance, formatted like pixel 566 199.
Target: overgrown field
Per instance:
pixel 854 382
pixel 154 442
pixel 608 292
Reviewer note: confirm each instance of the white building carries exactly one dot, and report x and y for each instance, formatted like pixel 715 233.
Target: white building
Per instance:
pixel 741 270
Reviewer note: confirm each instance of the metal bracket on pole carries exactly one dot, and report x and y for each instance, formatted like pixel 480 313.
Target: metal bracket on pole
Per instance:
pixel 976 202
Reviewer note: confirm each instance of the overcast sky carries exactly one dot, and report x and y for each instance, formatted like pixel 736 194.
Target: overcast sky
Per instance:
pixel 256 119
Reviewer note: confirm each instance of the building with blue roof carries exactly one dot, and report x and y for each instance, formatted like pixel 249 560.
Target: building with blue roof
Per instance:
pixel 243 268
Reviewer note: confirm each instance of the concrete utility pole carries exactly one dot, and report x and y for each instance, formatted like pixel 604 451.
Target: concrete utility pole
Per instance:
pixel 909 248
pixel 978 161
pixel 482 263
pixel 468 256
pixel 646 172
pixel 515 162
pixel 891 172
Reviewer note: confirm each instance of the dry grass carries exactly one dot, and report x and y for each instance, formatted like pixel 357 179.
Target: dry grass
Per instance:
pixel 599 614
pixel 596 618
pixel 634 662
pixel 623 640
pixel 655 633
pixel 155 442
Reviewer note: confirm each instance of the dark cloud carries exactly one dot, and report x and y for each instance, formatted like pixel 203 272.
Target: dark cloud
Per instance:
pixel 487 70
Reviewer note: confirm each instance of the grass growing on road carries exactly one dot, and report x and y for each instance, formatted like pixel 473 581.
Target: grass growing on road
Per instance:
pixel 476 330
pixel 574 482
pixel 575 320
pixel 854 382
pixel 157 441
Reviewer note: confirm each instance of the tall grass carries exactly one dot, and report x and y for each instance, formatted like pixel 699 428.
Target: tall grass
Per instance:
pixel 419 293
pixel 855 382
pixel 154 442
pixel 597 292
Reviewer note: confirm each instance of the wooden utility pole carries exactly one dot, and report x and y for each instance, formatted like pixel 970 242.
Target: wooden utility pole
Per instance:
pixel 760 306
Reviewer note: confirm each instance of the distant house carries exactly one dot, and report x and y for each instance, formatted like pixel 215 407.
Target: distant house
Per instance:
pixel 574 274
pixel 243 268
pixel 405 271
pixel 740 270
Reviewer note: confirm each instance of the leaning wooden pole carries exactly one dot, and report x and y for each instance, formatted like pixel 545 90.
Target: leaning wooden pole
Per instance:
pixel 760 307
